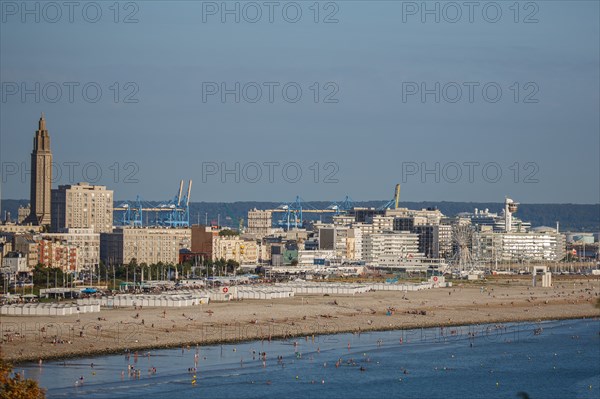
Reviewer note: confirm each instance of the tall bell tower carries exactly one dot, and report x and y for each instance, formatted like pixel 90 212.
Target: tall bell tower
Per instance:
pixel 41 176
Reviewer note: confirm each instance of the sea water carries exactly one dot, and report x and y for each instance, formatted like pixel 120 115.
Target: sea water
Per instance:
pixel 553 359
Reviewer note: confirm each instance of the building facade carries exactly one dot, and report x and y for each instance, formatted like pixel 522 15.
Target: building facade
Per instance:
pixel 260 222
pixel 389 248
pixel 233 247
pixel 14 263
pixel 435 241
pixel 202 240
pixel 82 206
pixel 519 247
pixel 85 240
pixel 22 213
pixel 57 253
pixel 144 245
pixel 27 244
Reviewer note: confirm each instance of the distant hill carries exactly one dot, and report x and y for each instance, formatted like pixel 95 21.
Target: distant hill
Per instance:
pixel 572 217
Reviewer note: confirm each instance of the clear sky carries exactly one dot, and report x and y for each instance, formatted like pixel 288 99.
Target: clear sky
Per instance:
pixel 367 117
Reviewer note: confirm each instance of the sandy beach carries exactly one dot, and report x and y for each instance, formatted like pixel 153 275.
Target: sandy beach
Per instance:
pixel 115 330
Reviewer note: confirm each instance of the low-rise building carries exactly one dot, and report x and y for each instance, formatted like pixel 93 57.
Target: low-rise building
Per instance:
pixel 57 253
pixel 144 245
pixel 14 263
pixel 27 244
pixel 20 229
pixel 85 240
pixel 235 248
pixel 517 247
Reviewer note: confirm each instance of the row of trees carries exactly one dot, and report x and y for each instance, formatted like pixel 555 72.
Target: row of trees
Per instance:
pixel 165 271
pixel 54 276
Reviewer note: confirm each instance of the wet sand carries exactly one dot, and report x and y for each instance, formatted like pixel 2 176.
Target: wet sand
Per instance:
pixel 115 330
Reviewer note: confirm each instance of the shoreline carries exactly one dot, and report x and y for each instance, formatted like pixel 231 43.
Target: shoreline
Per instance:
pixel 117 351
pixel 113 331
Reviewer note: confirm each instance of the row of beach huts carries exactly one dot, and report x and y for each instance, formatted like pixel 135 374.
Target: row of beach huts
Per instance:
pixel 48 309
pixel 185 298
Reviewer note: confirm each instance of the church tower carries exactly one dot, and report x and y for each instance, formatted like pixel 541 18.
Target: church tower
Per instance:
pixel 41 176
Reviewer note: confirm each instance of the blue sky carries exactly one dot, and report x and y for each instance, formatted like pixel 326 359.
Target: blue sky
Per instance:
pixel 542 134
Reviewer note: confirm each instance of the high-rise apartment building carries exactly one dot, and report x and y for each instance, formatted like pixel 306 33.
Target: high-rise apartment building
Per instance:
pixel 82 206
pixel 260 222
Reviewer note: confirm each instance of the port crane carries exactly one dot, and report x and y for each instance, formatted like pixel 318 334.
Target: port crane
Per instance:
pixel 293 212
pixel 173 213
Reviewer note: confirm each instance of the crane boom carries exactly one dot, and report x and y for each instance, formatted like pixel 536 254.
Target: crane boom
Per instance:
pixel 189 192
pixel 180 192
pixel 397 196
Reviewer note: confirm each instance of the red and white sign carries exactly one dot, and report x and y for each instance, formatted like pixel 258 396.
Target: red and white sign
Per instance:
pixel 435 279
pixel 225 289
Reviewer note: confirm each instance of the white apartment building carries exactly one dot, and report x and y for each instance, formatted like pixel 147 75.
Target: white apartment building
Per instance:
pixel 13 263
pixel 307 257
pixel 389 247
pixel 517 247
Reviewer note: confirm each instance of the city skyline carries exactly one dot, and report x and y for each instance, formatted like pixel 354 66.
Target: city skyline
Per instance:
pixel 244 174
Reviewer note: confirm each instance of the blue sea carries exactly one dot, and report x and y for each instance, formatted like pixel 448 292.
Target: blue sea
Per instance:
pixel 554 359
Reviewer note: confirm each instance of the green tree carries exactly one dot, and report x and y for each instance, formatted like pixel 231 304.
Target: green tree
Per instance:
pixel 232 265
pixel 43 276
pixel 17 387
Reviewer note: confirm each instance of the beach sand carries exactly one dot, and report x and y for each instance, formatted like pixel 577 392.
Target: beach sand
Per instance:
pixel 497 300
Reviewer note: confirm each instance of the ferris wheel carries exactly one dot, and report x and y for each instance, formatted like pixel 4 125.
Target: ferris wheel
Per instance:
pixel 462 241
